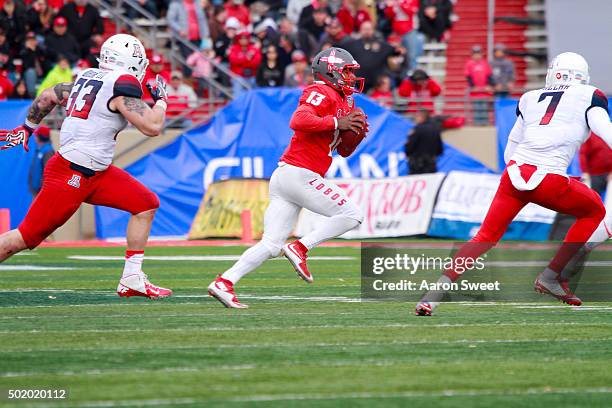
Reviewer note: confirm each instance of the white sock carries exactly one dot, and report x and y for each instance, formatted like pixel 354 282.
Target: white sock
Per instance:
pixel 249 261
pixel 331 228
pixel 133 264
pixel 601 234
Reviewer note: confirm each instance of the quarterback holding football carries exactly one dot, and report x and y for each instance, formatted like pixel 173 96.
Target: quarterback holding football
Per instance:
pixel 325 121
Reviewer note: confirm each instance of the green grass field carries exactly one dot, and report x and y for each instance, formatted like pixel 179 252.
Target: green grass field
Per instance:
pixel 296 346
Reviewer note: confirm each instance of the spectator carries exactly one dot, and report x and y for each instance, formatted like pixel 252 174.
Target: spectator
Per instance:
pixel 401 13
pixel 266 33
pixel 424 145
pixel 56 5
pixel 434 18
pixel 12 22
pixel 216 24
pixel 352 14
pixel 306 16
pixel 42 153
pixel 180 91
pixel 334 34
pixel 294 9
pixel 316 25
pixel 201 66
pixel 34 62
pixel 503 72
pixel 5 48
pixel 596 163
pixel 39 18
pixel 479 78
pixel 270 72
pixel 20 91
pixel 84 22
pixel 187 19
pixel 300 38
pixel 398 62
pixel 223 44
pixel 382 92
pixel 6 63
pixel 296 74
pixel 61 42
pixel 236 9
pixel 370 52
pixel 420 89
pixel 148 5
pixel 6 86
pixel 61 72
pixel 156 67
pixel 244 59
pixel 285 50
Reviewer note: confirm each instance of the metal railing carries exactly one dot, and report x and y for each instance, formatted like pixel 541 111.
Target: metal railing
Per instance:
pixel 222 76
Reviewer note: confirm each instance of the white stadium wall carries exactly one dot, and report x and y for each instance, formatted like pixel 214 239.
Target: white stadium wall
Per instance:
pixel 584 27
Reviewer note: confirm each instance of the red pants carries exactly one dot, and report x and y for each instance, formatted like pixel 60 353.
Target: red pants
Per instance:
pixel 558 193
pixel 64 189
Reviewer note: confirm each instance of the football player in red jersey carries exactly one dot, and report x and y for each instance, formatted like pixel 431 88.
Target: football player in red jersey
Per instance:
pixel 98 105
pixel 325 111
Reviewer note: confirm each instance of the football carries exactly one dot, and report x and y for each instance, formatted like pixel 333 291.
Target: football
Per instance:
pixel 350 140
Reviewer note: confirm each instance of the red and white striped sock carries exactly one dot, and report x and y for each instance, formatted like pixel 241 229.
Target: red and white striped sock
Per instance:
pixel 133 263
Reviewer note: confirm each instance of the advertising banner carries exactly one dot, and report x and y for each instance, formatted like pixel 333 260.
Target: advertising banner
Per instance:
pixel 464 200
pixel 222 206
pixel 391 207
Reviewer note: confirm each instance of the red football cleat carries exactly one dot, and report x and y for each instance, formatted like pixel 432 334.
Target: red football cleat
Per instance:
pixel 423 309
pixel 139 285
pixel 223 290
pixel 558 289
pixel 296 253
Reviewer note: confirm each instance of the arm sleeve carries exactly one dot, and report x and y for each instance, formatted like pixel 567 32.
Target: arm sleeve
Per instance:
pixel 306 119
pixel 313 113
pixel 127 85
pixel 598 120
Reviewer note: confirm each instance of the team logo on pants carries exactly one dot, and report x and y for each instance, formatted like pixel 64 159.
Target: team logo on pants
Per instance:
pixel 75 181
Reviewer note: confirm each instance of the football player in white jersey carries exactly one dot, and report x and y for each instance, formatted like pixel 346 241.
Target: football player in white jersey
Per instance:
pixel 551 124
pixel 99 105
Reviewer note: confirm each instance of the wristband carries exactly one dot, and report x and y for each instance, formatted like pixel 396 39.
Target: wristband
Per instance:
pixel 162 104
pixel 30 125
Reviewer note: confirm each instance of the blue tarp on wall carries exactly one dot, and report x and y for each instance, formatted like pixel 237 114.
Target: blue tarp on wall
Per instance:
pixel 246 139
pixel 15 164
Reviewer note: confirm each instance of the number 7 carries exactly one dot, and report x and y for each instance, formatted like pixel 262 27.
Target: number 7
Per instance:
pixel 552 106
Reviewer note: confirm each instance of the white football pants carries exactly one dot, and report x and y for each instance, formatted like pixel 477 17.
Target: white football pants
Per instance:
pixel 291 189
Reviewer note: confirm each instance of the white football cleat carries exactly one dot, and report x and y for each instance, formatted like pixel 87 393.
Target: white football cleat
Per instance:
pixel 138 285
pixel 223 290
pixel 296 253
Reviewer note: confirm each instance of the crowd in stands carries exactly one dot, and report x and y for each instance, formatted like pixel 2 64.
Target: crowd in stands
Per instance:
pixel 264 43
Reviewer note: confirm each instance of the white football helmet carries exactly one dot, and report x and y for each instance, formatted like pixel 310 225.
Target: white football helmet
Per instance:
pixel 126 53
pixel 568 68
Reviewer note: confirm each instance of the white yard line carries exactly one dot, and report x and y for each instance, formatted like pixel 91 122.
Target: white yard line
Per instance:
pixel 472 343
pixel 305 327
pixel 35 268
pixel 198 258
